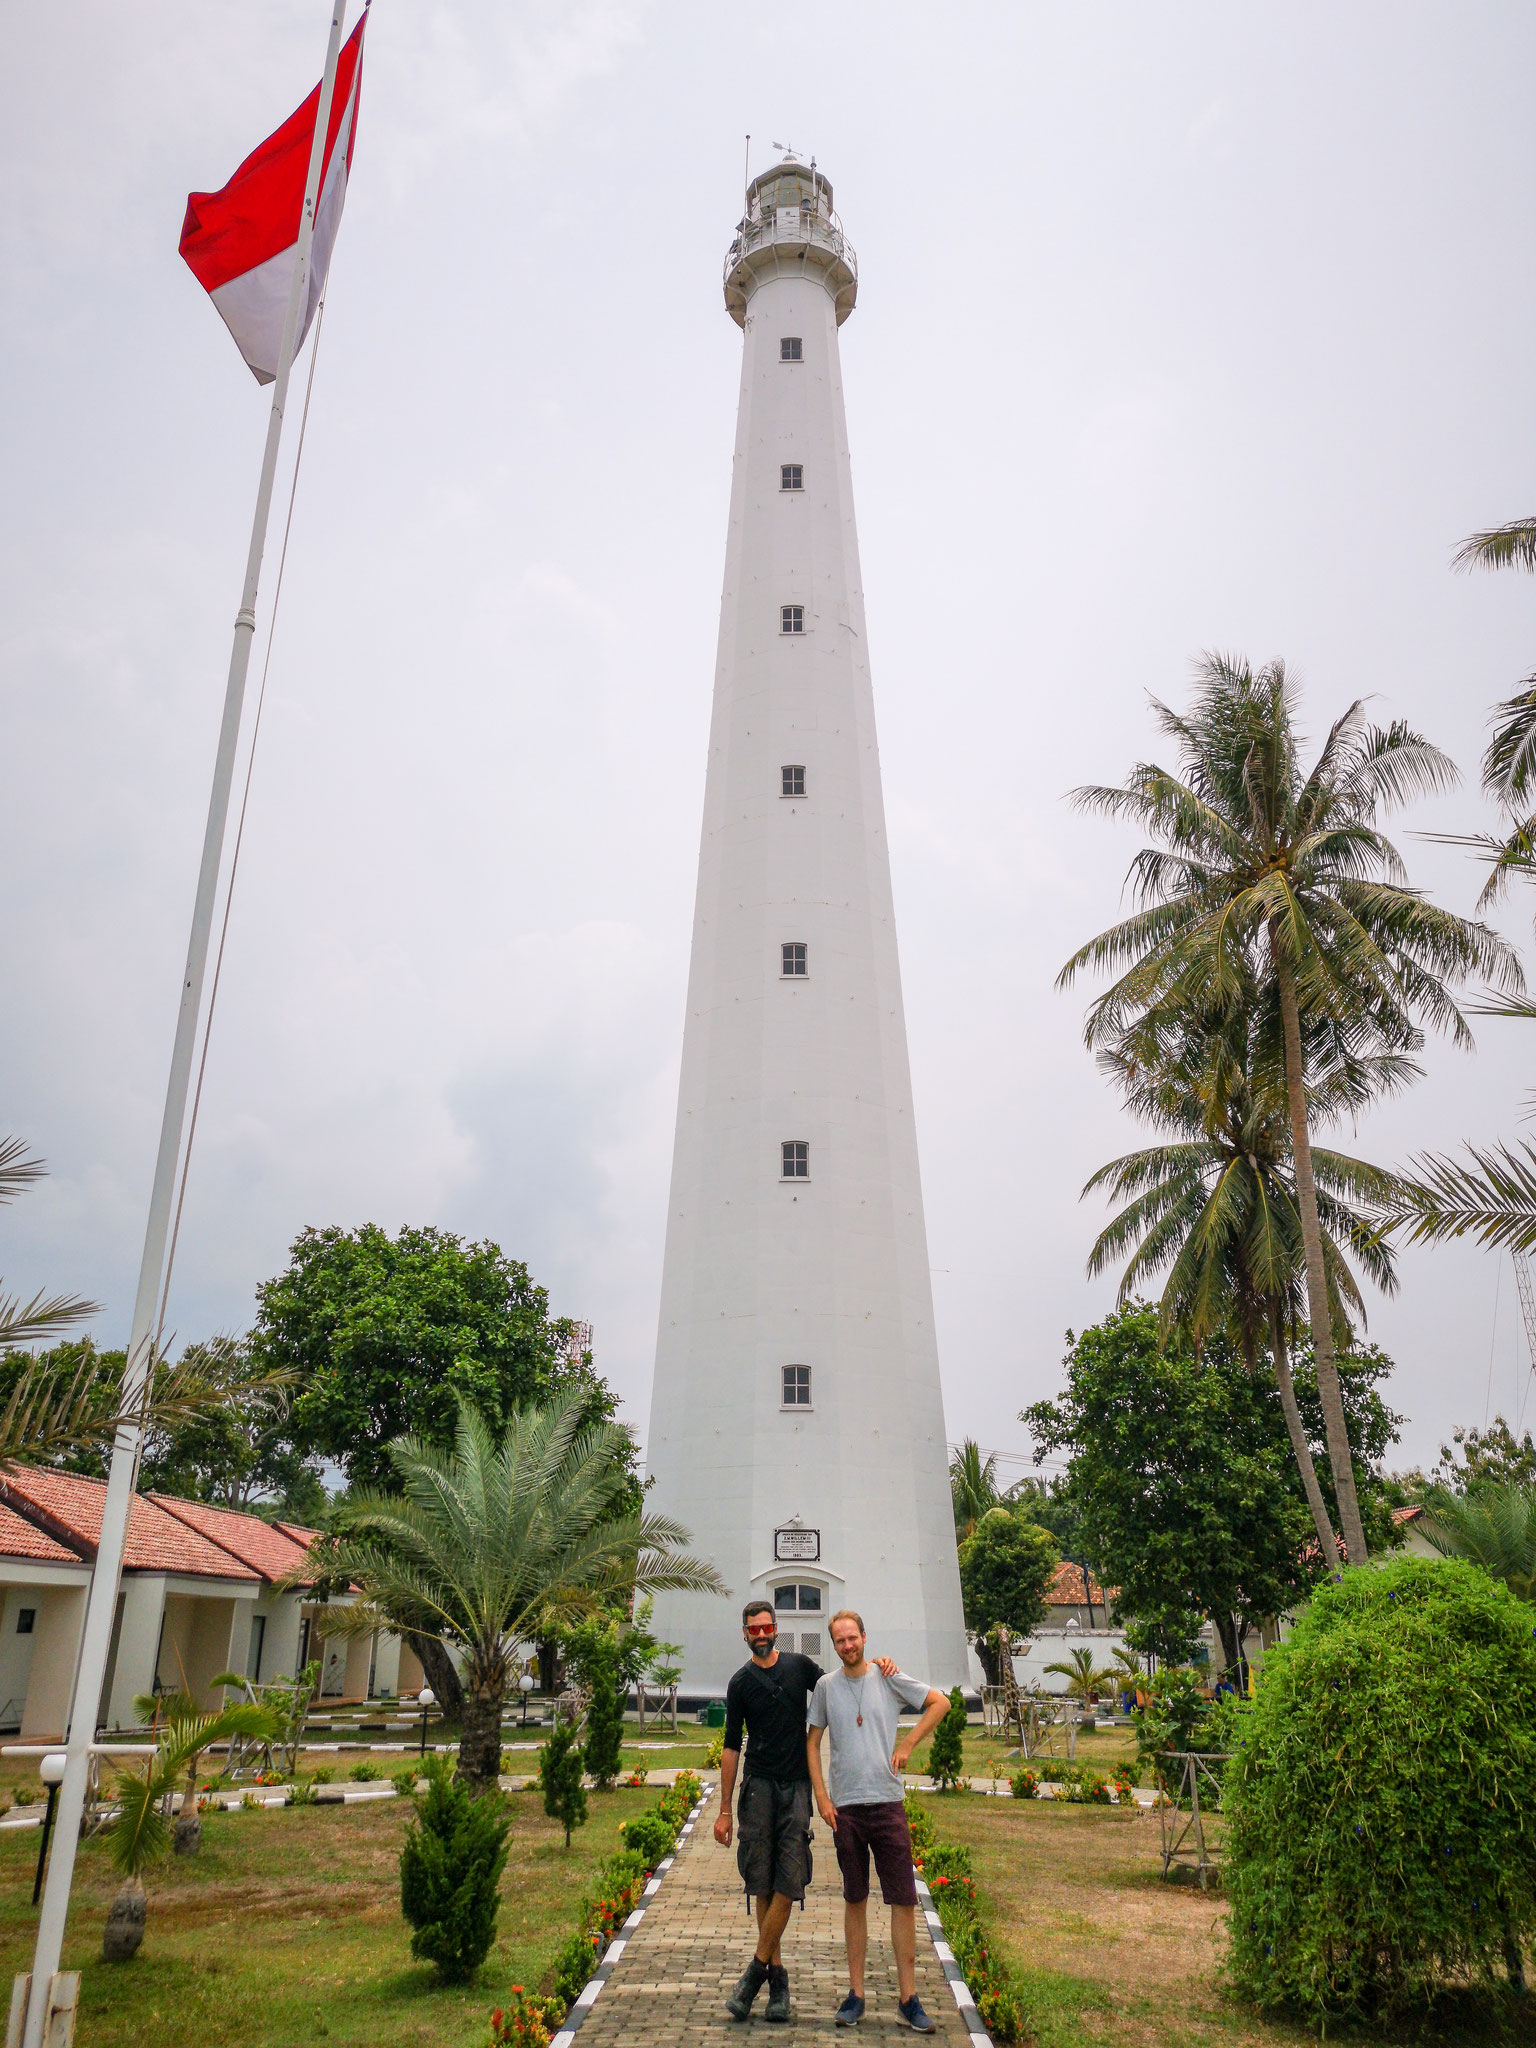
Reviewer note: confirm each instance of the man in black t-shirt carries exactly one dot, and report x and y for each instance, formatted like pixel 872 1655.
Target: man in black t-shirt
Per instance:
pixel 768 1697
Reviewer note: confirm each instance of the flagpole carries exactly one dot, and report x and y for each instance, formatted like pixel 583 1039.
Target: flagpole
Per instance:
pixel 101 1604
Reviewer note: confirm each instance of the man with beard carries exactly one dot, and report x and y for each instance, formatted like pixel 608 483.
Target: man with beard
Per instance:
pixel 768 1697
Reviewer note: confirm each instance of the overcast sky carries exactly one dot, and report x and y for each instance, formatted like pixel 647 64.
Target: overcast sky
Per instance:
pixel 1178 327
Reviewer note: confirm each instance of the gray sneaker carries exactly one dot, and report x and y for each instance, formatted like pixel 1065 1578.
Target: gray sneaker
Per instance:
pixel 851 2011
pixel 911 2010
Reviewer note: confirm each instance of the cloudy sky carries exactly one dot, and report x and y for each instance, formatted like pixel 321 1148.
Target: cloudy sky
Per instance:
pixel 1178 327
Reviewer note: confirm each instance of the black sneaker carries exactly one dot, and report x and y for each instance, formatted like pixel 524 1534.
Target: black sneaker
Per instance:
pixel 851 2011
pixel 777 2007
pixel 911 2010
pixel 752 1980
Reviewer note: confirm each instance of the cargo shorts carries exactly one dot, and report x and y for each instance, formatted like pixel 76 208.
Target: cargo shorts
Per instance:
pixel 773 1837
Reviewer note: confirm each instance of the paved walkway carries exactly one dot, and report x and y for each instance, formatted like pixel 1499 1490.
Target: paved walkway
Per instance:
pixel 668 1988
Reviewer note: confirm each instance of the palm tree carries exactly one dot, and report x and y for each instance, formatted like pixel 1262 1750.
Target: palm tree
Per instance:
pixel 1494 1526
pixel 1265 877
pixel 1084 1677
pixel 1218 1208
pixel 498 1540
pixel 973 1486
pixel 141 1830
pixel 23 1322
pixel 185 1730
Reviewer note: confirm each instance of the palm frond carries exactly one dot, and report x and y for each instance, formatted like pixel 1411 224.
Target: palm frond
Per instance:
pixel 1500 547
pixel 1491 1196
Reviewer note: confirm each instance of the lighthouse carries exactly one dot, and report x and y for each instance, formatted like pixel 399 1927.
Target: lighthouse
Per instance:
pixel 797 1422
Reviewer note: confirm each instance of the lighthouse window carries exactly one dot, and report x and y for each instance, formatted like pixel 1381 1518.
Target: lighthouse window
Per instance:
pixel 794 780
pixel 797 1159
pixel 794 956
pixel 791 618
pixel 791 476
pixel 789 348
pixel 797 1386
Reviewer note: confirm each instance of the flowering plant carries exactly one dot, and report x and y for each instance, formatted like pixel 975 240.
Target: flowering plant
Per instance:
pixel 526 2020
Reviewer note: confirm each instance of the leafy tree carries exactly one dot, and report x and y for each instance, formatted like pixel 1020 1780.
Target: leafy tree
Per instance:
pixel 1495 1526
pixel 972 1485
pixel 560 1774
pixel 1182 1464
pixel 387 1335
pixel 1494 1454
pixel 946 1752
pixel 1170 1632
pixel 1005 1568
pixel 450 1874
pixel 1380 1810
pixel 1271 887
pixel 1051 1505
pixel 240 1454
pixel 500 1537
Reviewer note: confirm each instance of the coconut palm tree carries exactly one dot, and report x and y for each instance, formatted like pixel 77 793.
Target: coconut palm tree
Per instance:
pixel 498 1540
pixel 973 1487
pixel 1218 1207
pixel 1494 1526
pixel 1267 876
pixel 141 1830
pixel 23 1322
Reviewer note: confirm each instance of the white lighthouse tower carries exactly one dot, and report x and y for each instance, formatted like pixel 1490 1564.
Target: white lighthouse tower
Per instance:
pixel 797 1426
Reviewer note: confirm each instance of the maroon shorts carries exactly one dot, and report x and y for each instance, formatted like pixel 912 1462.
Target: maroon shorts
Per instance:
pixel 880 1831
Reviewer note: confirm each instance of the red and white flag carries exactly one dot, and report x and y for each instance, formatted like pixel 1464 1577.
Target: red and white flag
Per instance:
pixel 241 243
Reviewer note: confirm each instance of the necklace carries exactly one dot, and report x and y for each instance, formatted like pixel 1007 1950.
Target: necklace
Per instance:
pixel 860 1722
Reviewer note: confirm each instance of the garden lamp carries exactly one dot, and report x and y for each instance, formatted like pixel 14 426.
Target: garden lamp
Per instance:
pixel 51 1772
pixel 424 1700
pixel 525 1687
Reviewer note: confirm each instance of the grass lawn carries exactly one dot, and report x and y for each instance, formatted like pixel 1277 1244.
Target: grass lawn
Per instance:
pixel 286 1930
pixel 986 1754
pixel 1107 1951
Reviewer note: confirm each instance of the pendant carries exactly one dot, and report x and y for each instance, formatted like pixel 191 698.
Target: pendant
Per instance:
pixel 861 1721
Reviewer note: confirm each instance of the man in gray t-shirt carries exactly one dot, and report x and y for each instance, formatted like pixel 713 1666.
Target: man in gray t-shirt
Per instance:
pixel 858 1707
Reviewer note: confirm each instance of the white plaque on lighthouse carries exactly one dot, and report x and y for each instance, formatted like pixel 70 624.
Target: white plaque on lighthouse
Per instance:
pixel 797 1374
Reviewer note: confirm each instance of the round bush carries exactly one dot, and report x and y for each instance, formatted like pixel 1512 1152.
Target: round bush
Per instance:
pixel 1381 1801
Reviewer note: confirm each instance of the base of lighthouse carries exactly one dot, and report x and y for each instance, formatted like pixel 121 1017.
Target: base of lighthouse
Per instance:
pixel 797 1425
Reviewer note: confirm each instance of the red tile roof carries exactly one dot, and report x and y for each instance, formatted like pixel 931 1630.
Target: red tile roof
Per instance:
pixel 1401 1515
pixel 69 1508
pixel 1066 1589
pixel 266 1547
pixel 18 1538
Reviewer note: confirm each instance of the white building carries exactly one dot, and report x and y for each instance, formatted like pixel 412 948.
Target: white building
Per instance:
pixel 201 1593
pixel 797 1427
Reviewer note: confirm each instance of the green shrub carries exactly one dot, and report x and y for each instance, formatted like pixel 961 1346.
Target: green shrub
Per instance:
pixel 920 1826
pixel 364 1774
pixel 450 1868
pixel 573 1967
pixel 1381 1801
pixel 946 1753
pixel 560 1772
pixel 323 1776
pixel 714 1750
pixel 1025 1784
pixel 605 1722
pixel 302 1794
pixel 650 1835
pixel 405 1781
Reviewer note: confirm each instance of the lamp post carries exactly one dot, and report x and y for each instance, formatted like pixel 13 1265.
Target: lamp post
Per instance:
pixel 525 1687
pixel 51 1771
pixel 424 1700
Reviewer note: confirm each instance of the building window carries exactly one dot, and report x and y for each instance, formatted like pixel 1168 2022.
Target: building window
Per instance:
pixel 791 476
pixel 791 618
pixel 794 781
pixel 253 1654
pixel 810 1646
pixel 26 1620
pixel 789 348
pixel 797 1159
pixel 797 1386
pixel 794 956
pixel 797 1599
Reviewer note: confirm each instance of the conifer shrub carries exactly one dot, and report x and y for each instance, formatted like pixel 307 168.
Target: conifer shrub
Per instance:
pixel 651 1835
pixel 605 1720
pixel 450 1869
pixel 560 1773
pixel 946 1754
pixel 1381 1801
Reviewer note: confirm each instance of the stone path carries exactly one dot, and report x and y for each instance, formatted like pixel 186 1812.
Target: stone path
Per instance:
pixel 668 1987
